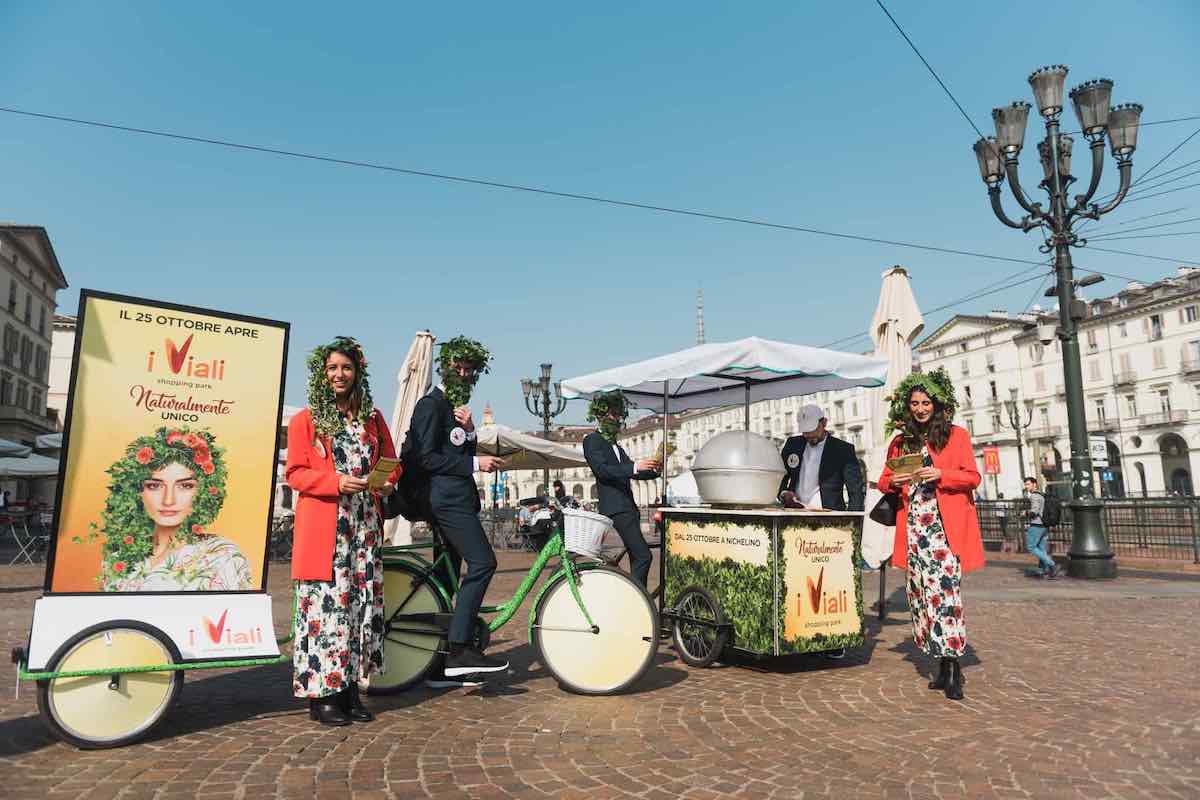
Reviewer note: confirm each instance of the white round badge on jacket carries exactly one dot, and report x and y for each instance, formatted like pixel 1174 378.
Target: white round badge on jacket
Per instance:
pixel 793 461
pixel 457 437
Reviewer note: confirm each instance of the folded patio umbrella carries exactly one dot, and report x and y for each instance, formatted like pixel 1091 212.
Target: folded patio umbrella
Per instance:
pixel 525 451
pixel 413 383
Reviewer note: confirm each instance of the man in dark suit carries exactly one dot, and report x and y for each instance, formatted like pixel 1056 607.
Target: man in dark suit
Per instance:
pixel 442 441
pixel 614 469
pixel 820 467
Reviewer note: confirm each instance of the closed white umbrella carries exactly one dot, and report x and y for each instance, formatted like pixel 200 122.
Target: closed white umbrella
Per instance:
pixel 49 441
pixel 897 322
pixel 414 381
pixel 33 466
pixel 13 449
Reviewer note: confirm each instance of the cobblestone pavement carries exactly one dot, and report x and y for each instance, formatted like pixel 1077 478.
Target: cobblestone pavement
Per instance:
pixel 1073 690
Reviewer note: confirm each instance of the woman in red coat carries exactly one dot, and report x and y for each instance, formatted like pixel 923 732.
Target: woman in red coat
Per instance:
pixel 937 528
pixel 332 447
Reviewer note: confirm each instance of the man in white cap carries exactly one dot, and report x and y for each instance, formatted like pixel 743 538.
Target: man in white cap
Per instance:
pixel 822 470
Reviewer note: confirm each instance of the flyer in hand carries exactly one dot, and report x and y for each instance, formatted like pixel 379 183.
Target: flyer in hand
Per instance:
pixel 906 464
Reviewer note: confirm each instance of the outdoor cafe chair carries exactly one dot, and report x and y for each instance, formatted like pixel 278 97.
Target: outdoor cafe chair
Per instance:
pixel 31 544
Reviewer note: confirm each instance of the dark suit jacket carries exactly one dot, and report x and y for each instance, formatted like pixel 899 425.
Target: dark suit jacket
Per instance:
pixel 612 474
pixel 430 448
pixel 839 469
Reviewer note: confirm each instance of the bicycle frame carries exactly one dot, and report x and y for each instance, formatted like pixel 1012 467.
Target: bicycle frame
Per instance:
pixel 428 571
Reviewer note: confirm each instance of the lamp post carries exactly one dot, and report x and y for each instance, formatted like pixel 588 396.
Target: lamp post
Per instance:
pixel 539 403
pixel 1014 421
pixel 1091 557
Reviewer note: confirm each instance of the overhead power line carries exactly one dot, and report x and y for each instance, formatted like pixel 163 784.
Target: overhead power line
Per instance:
pixel 1170 153
pixel 1135 198
pixel 1097 236
pixel 932 71
pixel 1142 255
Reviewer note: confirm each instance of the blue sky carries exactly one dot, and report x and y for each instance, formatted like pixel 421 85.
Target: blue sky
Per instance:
pixel 808 114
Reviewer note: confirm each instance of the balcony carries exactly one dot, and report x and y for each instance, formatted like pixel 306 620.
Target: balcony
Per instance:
pixel 1125 377
pixel 1101 425
pixel 1165 418
pixel 1190 366
pixel 1044 432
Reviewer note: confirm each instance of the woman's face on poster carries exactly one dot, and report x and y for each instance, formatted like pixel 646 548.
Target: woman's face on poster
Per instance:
pixel 168 493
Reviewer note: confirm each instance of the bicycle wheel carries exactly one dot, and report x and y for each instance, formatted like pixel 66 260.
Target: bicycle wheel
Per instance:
pixel 700 639
pixel 409 654
pixel 609 658
pixel 100 711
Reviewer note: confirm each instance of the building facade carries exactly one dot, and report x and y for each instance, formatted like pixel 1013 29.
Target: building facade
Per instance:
pixel 62 351
pixel 32 278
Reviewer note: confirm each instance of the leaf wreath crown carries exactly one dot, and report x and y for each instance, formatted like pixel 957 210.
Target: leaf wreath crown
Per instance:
pixel 936 384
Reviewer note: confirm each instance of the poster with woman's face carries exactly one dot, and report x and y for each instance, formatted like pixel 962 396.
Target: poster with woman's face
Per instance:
pixel 169 451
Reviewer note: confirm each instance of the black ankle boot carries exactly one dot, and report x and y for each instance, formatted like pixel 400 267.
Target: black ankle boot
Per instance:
pixel 943 676
pixel 351 705
pixel 328 711
pixel 954 690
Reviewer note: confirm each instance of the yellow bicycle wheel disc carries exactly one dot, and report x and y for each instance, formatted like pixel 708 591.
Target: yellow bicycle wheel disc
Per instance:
pixel 607 661
pixel 106 710
pixel 407 656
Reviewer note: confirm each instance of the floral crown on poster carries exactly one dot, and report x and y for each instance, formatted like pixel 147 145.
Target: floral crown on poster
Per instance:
pixel 127 530
pixel 322 404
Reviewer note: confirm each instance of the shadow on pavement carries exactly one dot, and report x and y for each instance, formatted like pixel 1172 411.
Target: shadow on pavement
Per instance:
pixel 523 667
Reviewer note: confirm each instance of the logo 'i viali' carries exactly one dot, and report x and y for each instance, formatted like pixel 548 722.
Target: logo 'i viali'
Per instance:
pixel 180 363
pixel 822 602
pixel 219 634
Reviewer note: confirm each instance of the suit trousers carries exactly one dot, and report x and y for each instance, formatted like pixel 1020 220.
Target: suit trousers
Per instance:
pixel 629 526
pixel 466 541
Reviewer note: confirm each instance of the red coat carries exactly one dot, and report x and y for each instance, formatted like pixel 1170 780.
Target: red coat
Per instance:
pixel 315 480
pixel 955 498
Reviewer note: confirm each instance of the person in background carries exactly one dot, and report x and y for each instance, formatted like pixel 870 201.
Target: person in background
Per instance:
pixel 937 526
pixel 337 561
pixel 1002 521
pixel 561 498
pixel 822 470
pixel 614 469
pixel 1037 534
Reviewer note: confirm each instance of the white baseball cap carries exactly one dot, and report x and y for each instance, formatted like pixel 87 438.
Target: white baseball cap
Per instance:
pixel 810 418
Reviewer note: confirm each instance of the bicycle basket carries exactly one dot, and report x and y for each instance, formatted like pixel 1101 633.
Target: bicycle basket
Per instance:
pixel 583 531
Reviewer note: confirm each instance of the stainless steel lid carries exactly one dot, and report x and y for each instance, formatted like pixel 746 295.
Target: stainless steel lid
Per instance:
pixel 739 450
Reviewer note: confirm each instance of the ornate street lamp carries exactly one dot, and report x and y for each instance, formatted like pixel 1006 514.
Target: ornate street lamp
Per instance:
pixel 1091 557
pixel 539 403
pixel 1013 411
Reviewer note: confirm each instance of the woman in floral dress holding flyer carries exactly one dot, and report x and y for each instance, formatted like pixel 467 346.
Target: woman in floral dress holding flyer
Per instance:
pixel 937 528
pixel 332 447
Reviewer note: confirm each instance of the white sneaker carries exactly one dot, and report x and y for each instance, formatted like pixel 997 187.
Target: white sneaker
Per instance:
pixel 458 682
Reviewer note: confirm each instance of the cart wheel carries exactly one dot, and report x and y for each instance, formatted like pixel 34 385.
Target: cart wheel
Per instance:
pixel 408 655
pixel 699 642
pixel 100 711
pixel 617 652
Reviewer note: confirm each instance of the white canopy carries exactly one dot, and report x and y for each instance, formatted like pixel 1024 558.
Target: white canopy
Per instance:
pixel 49 441
pixel 14 449
pixel 33 466
pixel 523 451
pixel 412 383
pixel 727 373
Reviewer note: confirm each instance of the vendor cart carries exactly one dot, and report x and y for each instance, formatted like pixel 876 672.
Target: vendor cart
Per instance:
pixel 766 581
pixel 759 579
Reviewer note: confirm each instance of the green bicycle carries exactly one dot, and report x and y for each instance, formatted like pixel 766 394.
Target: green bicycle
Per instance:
pixel 593 627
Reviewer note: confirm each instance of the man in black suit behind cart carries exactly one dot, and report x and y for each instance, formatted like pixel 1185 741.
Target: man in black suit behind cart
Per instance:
pixel 614 469
pixel 819 467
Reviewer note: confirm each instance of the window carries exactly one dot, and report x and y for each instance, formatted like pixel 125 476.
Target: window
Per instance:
pixel 996 423
pixel 970 426
pixel 28 307
pixel 35 404
pixel 991 362
pixel 6 389
pixel 42 320
pixel 26 355
pixel 1196 395
pixel 1044 417
pixel 1037 353
pixel 1124 361
pixel 12 295
pixel 1154 327
pixel 1123 330
pixel 22 394
pixel 1131 405
pixel 963 347
pixel 1160 358
pixel 1164 401
pixel 1100 415
pixel 1190 314
pixel 1039 381
pixel 1093 369
pixel 967 393
pixel 992 389
pixel 1091 341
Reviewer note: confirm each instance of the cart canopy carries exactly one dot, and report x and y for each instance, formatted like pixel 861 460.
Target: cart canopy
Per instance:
pixel 719 373
pixel 525 451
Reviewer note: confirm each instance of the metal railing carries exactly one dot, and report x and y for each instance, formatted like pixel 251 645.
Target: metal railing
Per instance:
pixel 1166 528
pixel 1164 418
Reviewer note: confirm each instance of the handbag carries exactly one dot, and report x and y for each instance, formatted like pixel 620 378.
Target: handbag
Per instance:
pixel 885 510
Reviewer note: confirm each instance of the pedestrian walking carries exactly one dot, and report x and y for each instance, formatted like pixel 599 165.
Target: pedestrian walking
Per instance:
pixel 1037 534
pixel 937 526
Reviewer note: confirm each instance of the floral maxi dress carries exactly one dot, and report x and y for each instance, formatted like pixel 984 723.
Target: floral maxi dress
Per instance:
pixel 339 623
pixel 934 577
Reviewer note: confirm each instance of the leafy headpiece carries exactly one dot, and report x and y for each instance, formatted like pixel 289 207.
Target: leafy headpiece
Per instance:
pixel 603 404
pixel 467 351
pixel 128 532
pixel 936 384
pixel 322 403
